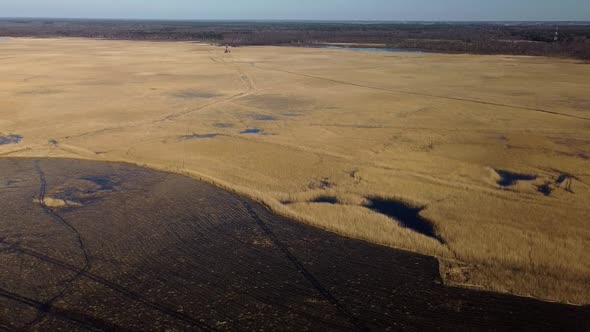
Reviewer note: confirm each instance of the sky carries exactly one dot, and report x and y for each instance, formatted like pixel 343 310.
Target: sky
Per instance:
pixel 378 10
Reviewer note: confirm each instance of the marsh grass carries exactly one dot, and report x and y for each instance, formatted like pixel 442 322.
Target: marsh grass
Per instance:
pixel 367 127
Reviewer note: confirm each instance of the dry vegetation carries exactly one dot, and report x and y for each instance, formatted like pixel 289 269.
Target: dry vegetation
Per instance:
pixel 426 129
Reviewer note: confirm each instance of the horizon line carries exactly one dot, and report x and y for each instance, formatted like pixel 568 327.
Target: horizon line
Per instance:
pixel 286 20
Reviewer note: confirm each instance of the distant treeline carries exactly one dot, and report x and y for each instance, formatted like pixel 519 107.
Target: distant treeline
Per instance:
pixel 481 38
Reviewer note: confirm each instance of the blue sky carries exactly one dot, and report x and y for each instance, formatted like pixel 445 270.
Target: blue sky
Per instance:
pixel 574 10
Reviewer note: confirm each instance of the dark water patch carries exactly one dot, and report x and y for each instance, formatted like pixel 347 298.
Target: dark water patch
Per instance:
pixel 10 139
pixel 191 94
pixel 325 199
pixel 545 189
pixel 408 216
pixel 561 178
pixel 197 136
pixel 370 49
pixel 222 125
pixel 252 131
pixel 508 178
pixel 262 117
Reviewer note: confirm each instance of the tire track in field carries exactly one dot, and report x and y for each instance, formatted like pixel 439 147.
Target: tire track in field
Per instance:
pixel 248 81
pixel 325 293
pixel 168 117
pixel 78 274
pixel 110 285
pixel 56 217
pixel 216 102
pixel 244 77
pixel 76 318
pixel 421 94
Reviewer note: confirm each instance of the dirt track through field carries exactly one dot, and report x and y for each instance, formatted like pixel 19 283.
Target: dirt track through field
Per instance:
pixel 481 102
pixel 136 249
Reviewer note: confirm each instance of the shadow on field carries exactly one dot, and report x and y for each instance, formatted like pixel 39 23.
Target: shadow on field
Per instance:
pixel 160 251
pixel 10 139
pixel 197 136
pixel 192 94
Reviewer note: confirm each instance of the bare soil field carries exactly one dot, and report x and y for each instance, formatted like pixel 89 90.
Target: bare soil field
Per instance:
pixel 479 161
pixel 134 249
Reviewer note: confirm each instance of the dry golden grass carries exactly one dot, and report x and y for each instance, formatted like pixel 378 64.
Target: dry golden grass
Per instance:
pixel 426 129
pixel 54 202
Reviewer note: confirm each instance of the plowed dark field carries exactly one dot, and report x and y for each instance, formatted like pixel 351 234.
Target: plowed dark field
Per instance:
pixel 127 248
